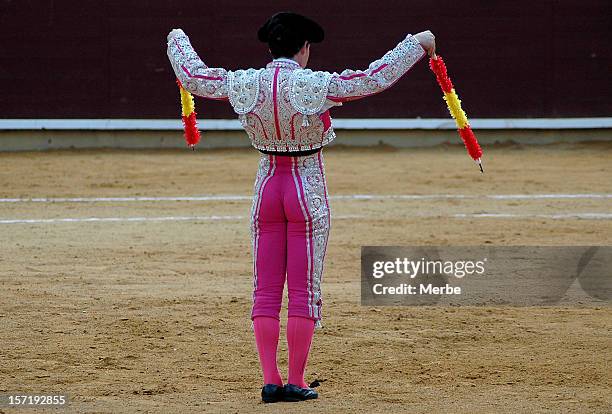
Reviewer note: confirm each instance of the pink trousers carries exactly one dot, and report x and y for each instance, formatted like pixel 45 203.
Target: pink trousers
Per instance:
pixel 290 222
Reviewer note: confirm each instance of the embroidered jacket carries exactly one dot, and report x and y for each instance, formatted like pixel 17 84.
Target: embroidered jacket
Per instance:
pixel 283 107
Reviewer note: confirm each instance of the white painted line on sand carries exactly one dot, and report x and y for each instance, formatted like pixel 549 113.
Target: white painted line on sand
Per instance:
pixel 135 219
pixel 239 197
pixel 568 216
pixel 582 216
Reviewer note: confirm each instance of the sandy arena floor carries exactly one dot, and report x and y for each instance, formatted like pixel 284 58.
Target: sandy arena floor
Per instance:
pixel 151 315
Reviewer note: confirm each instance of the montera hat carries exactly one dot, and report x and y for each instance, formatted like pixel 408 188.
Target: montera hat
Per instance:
pixel 295 25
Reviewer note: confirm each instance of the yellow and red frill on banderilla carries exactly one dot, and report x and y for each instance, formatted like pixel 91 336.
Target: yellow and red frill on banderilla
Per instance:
pixel 454 106
pixel 188 113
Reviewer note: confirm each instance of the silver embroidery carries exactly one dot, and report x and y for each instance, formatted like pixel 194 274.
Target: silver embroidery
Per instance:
pixel 200 79
pixel 308 90
pixel 312 175
pixel 243 89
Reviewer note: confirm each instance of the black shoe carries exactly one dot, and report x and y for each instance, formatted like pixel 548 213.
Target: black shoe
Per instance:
pixel 272 393
pixel 294 393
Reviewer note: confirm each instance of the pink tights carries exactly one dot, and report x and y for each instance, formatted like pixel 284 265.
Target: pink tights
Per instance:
pixel 299 338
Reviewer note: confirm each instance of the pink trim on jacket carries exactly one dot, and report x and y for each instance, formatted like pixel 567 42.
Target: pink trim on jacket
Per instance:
pixel 378 69
pixel 262 125
pixel 214 78
pixel 179 47
pixel 353 76
pixel 326 119
pixel 274 99
pixel 352 98
pixel 359 75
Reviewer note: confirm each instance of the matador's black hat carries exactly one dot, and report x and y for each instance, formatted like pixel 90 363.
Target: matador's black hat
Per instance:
pixel 299 26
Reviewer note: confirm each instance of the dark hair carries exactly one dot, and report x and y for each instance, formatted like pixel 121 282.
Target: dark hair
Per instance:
pixel 286 32
pixel 284 42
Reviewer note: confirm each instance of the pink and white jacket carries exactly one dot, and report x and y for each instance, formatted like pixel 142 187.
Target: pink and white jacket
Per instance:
pixel 284 107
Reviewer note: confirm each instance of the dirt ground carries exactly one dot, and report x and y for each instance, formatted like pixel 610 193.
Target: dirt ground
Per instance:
pixel 152 316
